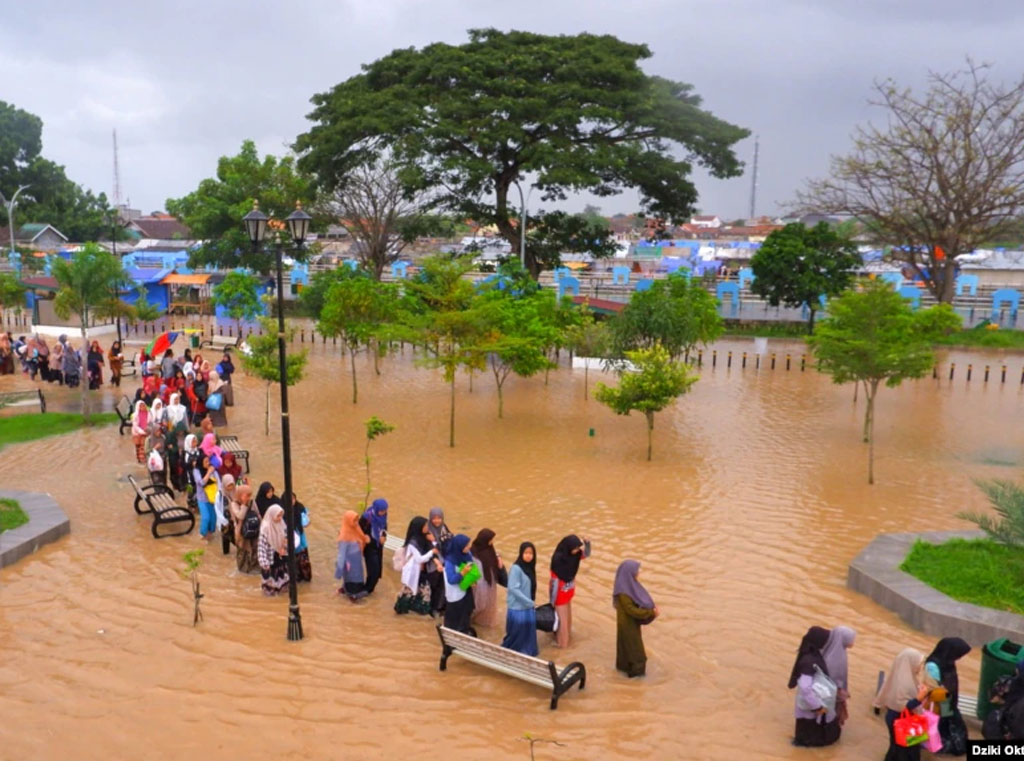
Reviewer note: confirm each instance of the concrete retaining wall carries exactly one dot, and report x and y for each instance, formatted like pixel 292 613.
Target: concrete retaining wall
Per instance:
pixel 875 572
pixel 47 522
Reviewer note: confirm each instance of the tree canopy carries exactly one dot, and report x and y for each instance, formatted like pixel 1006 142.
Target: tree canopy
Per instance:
pixel 239 294
pixel 51 198
pixel 797 265
pixel 260 357
pixel 565 113
pixel 214 211
pixel 873 336
pixel 943 175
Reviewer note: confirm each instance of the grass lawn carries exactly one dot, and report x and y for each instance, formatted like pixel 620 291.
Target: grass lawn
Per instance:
pixel 11 515
pixel 977 571
pixel 774 330
pixel 32 426
pixel 982 337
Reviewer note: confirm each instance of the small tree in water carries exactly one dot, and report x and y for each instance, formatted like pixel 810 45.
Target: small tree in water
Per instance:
pixel 873 336
pixel 589 339
pixel 374 429
pixel 193 560
pixel 655 385
pixel 262 359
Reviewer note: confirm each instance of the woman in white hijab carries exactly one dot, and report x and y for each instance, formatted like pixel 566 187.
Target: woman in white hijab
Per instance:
pixel 901 690
pixel 272 550
pixel 157 415
pixel 177 416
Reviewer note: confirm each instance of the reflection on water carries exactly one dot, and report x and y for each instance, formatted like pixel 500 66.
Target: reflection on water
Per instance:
pixel 745 522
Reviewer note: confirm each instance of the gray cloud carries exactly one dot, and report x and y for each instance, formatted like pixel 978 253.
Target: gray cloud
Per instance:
pixel 185 84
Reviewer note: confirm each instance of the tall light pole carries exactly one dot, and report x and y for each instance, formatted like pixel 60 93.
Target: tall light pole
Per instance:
pixel 10 212
pixel 298 226
pixel 522 222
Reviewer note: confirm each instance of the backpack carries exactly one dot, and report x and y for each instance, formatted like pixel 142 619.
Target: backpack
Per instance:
pixel 251 525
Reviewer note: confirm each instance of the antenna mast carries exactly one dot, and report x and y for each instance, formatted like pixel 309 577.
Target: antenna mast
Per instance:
pixel 753 181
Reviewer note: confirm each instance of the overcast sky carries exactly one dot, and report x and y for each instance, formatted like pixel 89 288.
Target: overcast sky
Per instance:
pixel 185 83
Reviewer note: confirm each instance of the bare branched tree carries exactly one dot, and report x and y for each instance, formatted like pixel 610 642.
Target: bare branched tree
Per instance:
pixel 943 177
pixel 381 217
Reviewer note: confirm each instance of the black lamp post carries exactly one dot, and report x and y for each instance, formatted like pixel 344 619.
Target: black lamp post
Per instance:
pixel 256 228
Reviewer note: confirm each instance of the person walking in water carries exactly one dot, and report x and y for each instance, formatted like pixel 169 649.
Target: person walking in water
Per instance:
pixel 816 725
pixel 521 614
pixel 633 608
pixel 374 523
pixel 565 563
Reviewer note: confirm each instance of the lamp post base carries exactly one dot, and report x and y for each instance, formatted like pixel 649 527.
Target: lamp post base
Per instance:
pixel 294 623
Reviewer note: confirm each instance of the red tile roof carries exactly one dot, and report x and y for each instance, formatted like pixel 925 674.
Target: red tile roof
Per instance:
pixel 161 227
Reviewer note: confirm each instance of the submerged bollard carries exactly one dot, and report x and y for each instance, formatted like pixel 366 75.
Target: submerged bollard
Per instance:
pixel 1002 376
pixel 744 364
pixel 700 358
pixel 986 374
pixel 757 361
pixel 302 335
pixel 968 371
pixel 714 358
pixel 591 432
pixel 728 361
pixel 803 362
pixel 787 361
pixel 952 370
pixel 773 361
pixel 935 372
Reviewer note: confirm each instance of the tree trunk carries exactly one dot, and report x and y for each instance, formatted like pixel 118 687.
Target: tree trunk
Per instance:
pixel 810 321
pixel 366 501
pixel 586 380
pixel 266 424
pixel 948 279
pixel 868 414
pixel 501 403
pixel 376 357
pixel 650 430
pixel 856 389
pixel 871 432
pixel 355 386
pixel 471 381
pixel 451 424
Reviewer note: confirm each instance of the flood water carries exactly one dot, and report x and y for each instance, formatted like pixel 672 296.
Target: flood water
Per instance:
pixel 745 522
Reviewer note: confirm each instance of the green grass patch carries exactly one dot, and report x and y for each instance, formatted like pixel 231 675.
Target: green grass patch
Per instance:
pixel 33 426
pixel 1007 338
pixel 773 330
pixel 976 571
pixel 11 515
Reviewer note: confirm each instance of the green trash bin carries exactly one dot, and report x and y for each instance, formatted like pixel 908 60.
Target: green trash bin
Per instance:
pixel 998 658
pixel 194 341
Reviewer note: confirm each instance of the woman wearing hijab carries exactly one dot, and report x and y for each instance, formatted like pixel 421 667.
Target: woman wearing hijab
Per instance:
pixel 226 368
pixel 633 607
pixel 140 430
pixel 205 477
pixel 565 562
pixel 485 593
pixel 72 363
pixel 219 416
pixel 272 551
pixel 157 416
pixel 95 358
pixel 229 466
pixel 352 543
pixel 176 416
pixel 458 567
pixel 175 464
pixel 952 728
pixel 265 498
pixel 439 536
pixel 816 726
pixel 43 358
pixel 116 359
pixel 418 551
pixel 374 522
pixel 521 613
pixel 6 355
pixel 226 496
pixel 168 365
pixel 303 566
pixel 901 690
pixel 245 549
pixel 840 640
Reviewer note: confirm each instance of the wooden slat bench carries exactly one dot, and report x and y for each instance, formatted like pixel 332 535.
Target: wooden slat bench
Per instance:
pixel 159 500
pixel 222 342
pixel 230 444
pixel 508 662
pixel 25 397
pixel 130 366
pixel 968 705
pixel 123 409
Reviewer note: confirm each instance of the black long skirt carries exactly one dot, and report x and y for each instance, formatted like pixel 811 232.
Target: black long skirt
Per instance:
pixel 811 733
pixel 458 615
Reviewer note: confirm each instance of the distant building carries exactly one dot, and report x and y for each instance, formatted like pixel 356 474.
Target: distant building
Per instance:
pixel 705 222
pixel 159 226
pixel 40 237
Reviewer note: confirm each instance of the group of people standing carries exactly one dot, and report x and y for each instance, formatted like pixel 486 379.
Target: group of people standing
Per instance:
pixel 60 365
pixel 443 573
pixel 914 683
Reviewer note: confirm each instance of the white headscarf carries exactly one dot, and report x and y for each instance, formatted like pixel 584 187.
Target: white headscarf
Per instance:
pixel 156 411
pixel 175 410
pixel 186 369
pixel 274 528
pixel 901 683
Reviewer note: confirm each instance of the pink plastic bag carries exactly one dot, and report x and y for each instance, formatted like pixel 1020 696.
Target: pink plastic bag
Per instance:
pixel 934 743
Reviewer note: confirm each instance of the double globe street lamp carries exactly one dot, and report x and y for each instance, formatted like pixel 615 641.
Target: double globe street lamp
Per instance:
pixel 256 228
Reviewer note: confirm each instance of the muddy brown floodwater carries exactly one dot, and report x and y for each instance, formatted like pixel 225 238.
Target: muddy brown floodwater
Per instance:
pixel 745 522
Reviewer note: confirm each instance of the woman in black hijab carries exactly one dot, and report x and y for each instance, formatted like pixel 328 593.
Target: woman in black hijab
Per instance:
pixel 815 725
pixel 266 498
pixel 565 563
pixel 952 728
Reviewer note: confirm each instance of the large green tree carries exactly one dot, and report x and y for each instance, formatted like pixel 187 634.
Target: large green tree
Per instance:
pixel 260 357
pixel 214 211
pixel 85 284
pixel 873 336
pixel 677 313
pixel 941 175
pixel 51 197
pixel 797 265
pixel 567 113
pixel 655 384
pixel 239 294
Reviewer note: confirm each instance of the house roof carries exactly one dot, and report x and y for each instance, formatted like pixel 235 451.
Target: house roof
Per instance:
pixel 144 275
pixel 161 227
pixel 703 218
pixel 40 281
pixel 176 279
pixel 29 233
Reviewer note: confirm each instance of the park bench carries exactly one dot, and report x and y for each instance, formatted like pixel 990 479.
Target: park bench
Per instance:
pixel 509 662
pixel 223 342
pixel 123 409
pixel 29 397
pixel 968 705
pixel 159 500
pixel 130 366
pixel 230 444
